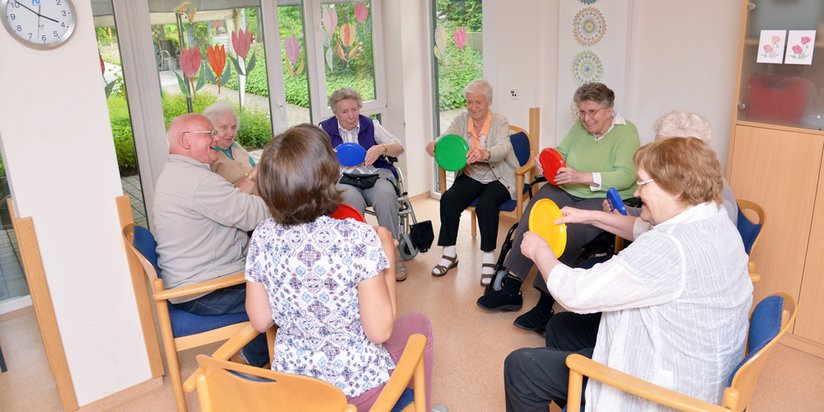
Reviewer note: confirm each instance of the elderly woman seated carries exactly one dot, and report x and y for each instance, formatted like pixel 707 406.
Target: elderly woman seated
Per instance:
pixel 349 126
pixel 598 153
pixel 689 124
pixel 489 176
pixel 671 308
pixel 233 161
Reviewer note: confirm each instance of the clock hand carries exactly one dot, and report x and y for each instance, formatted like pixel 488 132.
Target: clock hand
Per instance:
pixel 24 6
pixel 39 7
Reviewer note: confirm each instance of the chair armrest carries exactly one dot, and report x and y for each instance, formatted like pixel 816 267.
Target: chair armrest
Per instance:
pixel 203 287
pixel 581 365
pixel 225 351
pixel 409 365
pixel 526 167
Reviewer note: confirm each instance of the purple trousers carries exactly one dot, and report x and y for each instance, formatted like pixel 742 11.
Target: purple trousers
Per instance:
pixel 406 325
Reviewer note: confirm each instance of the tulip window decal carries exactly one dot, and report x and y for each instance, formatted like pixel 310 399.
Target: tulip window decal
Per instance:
pixel 460 38
pixel 242 42
pixel 460 41
pixel 348 45
pixel 440 43
pixel 291 45
pixel 361 13
pixel 329 20
pixel 216 55
pixel 193 79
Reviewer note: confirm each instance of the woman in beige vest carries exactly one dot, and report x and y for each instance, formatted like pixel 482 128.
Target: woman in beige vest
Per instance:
pixel 233 161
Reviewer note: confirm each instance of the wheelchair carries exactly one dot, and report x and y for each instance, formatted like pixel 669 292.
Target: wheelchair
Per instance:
pixel 407 248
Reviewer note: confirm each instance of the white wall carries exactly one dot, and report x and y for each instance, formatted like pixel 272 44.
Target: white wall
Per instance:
pixel 684 56
pixel 58 150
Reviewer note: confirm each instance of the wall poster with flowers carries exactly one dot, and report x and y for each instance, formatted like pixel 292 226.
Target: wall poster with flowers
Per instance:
pixel 800 47
pixel 771 46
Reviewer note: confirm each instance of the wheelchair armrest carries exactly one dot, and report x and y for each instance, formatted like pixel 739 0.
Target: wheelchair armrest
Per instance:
pixel 391 159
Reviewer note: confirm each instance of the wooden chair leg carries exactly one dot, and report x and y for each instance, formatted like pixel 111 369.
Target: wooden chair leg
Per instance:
pixel 474 218
pixel 177 382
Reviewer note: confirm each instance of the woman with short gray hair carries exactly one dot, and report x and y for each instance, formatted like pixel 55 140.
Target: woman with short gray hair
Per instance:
pixel 233 161
pixel 349 126
pixel 489 176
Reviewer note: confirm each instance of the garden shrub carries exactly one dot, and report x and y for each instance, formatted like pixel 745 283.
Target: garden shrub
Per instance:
pixel 460 69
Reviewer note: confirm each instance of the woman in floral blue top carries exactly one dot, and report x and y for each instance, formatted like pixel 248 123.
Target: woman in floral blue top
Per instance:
pixel 328 284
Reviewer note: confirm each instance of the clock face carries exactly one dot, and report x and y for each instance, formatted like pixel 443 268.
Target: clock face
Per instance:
pixel 42 24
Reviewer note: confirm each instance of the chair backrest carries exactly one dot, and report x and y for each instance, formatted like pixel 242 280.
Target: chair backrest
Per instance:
pixel 229 386
pixel 748 229
pixel 144 246
pixel 521 147
pixel 770 320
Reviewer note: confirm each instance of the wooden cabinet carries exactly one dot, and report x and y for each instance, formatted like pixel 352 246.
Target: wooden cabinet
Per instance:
pixel 776 159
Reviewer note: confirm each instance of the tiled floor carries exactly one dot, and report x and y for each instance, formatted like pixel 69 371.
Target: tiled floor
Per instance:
pixel 12 280
pixel 131 187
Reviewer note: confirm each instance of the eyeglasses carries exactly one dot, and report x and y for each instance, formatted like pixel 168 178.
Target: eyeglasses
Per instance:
pixel 583 114
pixel 211 133
pixel 643 182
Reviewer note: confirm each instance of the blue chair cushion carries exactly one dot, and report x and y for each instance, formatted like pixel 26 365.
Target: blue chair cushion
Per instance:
pixel 748 230
pixel 520 145
pixel 187 323
pixel 406 399
pixel 183 323
pixel 145 242
pixel 764 327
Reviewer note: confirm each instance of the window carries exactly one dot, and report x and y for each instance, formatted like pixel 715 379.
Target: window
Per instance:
pixel 457 60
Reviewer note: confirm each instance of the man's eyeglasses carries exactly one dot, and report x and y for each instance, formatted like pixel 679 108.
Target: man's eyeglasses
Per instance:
pixel 211 133
pixel 643 182
pixel 583 114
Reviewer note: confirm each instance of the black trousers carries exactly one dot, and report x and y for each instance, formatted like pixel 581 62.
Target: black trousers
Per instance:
pixel 533 377
pixel 463 191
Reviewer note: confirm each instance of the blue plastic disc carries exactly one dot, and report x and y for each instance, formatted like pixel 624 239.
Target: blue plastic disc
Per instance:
pixel 350 154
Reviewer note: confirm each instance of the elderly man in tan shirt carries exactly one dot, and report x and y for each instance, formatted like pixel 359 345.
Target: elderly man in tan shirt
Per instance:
pixel 201 222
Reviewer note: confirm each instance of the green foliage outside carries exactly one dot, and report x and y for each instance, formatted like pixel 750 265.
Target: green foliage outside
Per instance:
pixel 255 125
pixel 458 68
pixel 460 13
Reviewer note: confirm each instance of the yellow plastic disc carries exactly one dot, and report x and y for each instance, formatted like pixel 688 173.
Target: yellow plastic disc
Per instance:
pixel 542 221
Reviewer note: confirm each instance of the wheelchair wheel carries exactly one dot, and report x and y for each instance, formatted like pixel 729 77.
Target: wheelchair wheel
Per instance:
pixel 407 250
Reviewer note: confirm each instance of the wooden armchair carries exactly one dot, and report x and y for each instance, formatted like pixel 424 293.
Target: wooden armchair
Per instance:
pixel 525 144
pixel 750 230
pixel 770 320
pixel 220 387
pixel 181 330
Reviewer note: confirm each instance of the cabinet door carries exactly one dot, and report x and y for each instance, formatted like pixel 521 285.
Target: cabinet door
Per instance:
pixel 810 321
pixel 778 169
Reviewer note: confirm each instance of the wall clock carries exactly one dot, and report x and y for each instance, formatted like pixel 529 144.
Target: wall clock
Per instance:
pixel 40 24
